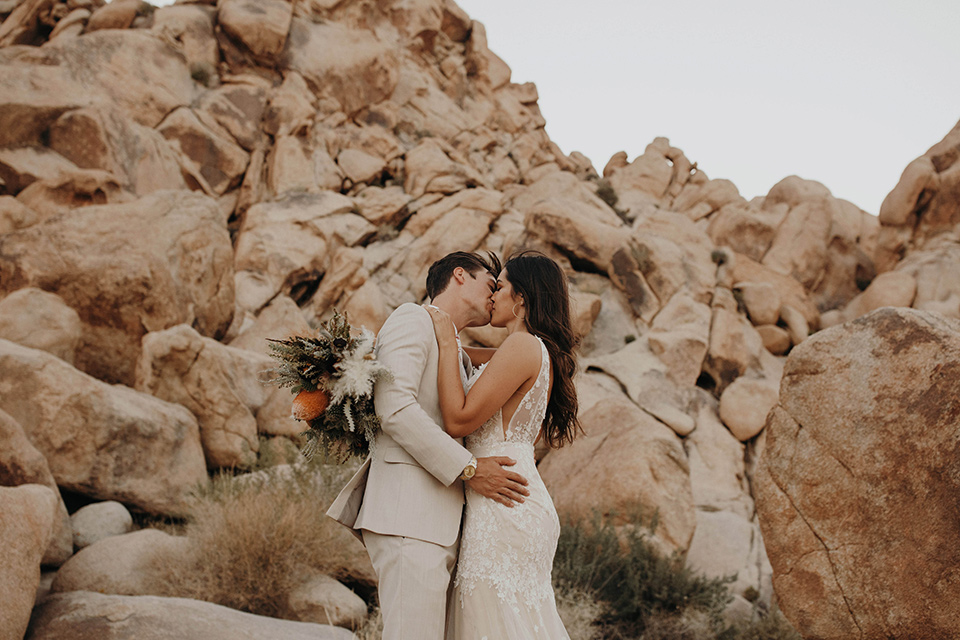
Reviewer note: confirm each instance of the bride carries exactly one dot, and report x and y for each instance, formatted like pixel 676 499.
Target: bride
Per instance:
pixel 523 393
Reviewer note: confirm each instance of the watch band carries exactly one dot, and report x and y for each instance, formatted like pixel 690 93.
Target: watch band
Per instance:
pixel 470 470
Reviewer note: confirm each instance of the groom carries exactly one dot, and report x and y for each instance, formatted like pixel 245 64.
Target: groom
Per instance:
pixel 406 502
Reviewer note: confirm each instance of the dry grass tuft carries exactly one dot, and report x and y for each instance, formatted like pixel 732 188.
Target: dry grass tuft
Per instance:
pixel 690 625
pixel 254 535
pixel 580 611
pixel 372 628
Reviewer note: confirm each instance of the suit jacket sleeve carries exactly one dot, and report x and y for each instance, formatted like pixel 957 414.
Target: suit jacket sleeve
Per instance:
pixel 403 345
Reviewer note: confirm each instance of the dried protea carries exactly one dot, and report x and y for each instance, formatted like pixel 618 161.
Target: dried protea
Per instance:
pixel 309 405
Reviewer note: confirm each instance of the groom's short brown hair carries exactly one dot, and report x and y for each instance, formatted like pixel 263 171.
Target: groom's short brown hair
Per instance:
pixel 438 277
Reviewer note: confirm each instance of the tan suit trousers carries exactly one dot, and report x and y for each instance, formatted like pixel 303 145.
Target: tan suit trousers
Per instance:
pixel 415 579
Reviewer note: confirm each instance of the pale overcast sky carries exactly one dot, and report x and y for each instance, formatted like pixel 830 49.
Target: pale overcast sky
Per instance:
pixel 846 92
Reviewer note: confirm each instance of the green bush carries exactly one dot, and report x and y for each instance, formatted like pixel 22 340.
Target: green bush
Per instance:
pixel 632 579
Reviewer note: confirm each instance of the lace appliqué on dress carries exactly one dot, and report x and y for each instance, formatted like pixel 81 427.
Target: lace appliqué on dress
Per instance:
pixel 511 549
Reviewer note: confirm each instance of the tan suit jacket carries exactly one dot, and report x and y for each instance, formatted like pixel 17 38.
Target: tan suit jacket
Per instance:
pixel 409 486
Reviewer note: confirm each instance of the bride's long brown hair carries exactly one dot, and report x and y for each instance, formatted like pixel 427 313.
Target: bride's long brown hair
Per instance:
pixel 543 286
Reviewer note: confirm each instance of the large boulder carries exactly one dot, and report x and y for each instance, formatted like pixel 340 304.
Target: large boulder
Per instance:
pixel 718 474
pixel 29 512
pixel 118 14
pixel 937 277
pixel 596 239
pixel 625 459
pixel 220 385
pixel 352 66
pixel 324 600
pixel 99 520
pixel 745 228
pixel 15 215
pixel 735 347
pixel 103 137
pixel 40 320
pixel 644 379
pixel 727 544
pixel 429 169
pixel 727 539
pixel 280 319
pixel 235 110
pixel 261 25
pixel 128 269
pixel 289 242
pixel 190 29
pixel 83 615
pixel 213 159
pixel 857 488
pixel 32 97
pixel 680 336
pixel 142 75
pixel 923 205
pixel 744 405
pixel 674 255
pixel 126 564
pixel 890 289
pixel 105 441
pixel 21 463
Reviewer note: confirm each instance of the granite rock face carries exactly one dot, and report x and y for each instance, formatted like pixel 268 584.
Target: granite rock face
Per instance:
pixel 857 487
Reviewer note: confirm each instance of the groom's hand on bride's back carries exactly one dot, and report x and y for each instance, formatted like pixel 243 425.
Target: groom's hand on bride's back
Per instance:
pixel 494 481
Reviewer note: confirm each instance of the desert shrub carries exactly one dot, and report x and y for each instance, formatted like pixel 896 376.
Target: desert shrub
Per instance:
pixel 606 192
pixel 253 537
pixel 635 583
pixel 203 73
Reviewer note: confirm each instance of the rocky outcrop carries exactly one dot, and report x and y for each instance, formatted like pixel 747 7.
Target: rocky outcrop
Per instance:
pixel 176 180
pixel 919 238
pixel 222 386
pixel 626 461
pixel 923 205
pixel 857 487
pixel 125 564
pixel 128 269
pixel 106 441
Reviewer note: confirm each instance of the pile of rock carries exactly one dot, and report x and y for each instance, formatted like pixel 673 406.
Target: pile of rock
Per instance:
pixel 177 184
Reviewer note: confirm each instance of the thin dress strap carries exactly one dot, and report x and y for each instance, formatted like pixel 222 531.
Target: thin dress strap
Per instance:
pixel 527 419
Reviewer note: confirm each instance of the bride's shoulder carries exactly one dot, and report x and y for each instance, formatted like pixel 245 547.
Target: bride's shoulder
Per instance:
pixel 522 344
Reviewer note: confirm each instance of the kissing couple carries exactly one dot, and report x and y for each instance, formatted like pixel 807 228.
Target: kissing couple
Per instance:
pixel 459 425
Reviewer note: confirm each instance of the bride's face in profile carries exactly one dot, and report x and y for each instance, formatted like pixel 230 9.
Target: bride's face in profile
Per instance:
pixel 504 302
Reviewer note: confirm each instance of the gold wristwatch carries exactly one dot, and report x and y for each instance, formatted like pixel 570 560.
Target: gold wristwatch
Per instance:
pixel 470 470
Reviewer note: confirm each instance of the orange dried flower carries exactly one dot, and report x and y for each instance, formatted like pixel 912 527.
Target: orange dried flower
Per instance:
pixel 310 404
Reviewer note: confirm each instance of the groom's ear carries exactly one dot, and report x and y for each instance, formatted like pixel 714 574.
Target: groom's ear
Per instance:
pixel 460 275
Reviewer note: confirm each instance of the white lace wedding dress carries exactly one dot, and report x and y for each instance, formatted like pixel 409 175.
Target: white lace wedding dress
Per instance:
pixel 502 589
